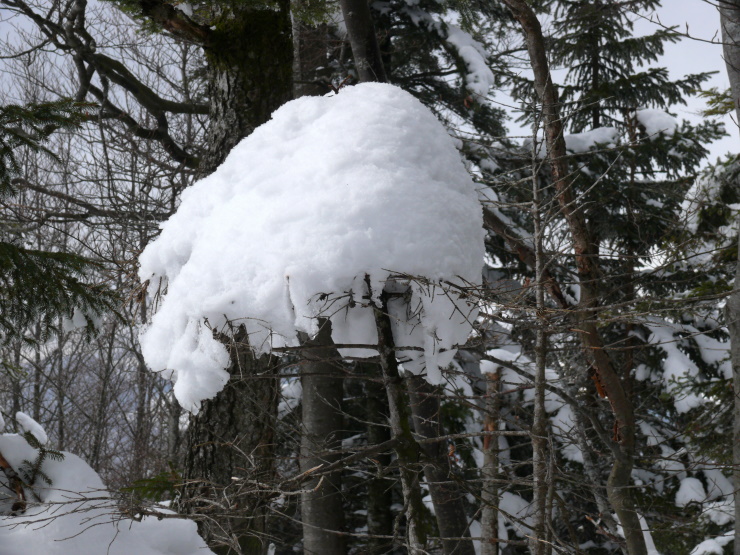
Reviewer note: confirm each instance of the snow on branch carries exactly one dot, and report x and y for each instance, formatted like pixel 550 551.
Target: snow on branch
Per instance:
pixel 320 210
pixel 69 510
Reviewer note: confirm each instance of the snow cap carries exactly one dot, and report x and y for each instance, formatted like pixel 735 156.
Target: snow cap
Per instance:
pixel 31 426
pixel 332 195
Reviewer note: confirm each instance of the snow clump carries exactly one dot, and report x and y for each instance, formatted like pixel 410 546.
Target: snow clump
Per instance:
pixel 656 122
pixel 74 514
pixel 690 491
pixel 313 215
pixel 32 427
pixel 479 78
pixel 583 142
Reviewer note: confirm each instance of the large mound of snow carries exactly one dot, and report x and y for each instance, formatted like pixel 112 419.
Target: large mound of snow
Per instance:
pixel 76 515
pixel 331 190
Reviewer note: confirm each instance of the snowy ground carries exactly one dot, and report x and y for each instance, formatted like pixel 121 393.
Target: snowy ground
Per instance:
pixel 70 512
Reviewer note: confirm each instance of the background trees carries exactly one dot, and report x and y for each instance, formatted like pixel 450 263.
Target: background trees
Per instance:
pixel 600 324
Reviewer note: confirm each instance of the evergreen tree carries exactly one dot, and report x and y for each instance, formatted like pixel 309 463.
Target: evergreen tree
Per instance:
pixel 631 195
pixel 631 164
pixel 595 41
pixel 40 286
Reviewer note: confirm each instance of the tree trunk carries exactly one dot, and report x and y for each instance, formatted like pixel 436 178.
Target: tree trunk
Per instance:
pixel 250 75
pixel 489 473
pixel 174 435
pixel 322 378
pixel 732 311
pixel 249 71
pixel 729 11
pixel 364 42
pixel 310 52
pixel 730 21
pixel 589 273
pixel 142 420
pixel 231 447
pixel 407 450
pixel 379 488
pixel 446 495
pixel 538 543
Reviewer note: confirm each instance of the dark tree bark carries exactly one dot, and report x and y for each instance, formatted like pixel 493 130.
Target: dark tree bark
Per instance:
pixel 323 391
pixel 311 47
pixel 732 311
pixel 233 437
pixel 322 378
pixel 250 66
pixel 730 22
pixel 490 497
pixel 322 513
pixel 380 487
pixel 539 424
pixel 729 11
pixel 248 50
pixel 445 491
pixel 589 272
pixel 407 449
pixel 249 54
pixel 364 42
pixel 447 499
pixel 249 58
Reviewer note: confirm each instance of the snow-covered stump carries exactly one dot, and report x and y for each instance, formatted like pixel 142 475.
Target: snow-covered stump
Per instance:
pixel 335 204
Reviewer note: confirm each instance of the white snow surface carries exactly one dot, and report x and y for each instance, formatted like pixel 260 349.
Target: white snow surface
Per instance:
pixel 366 184
pixel 718 485
pixel 713 546
pixel 30 425
pixel 186 8
pixel 479 78
pixel 518 512
pixel 583 142
pixel 677 366
pixel 77 321
pixel 578 143
pixel 77 516
pixel 720 512
pixel 563 424
pixel 690 490
pixel 656 122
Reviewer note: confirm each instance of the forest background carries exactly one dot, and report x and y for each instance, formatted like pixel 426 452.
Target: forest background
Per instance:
pixel 589 411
